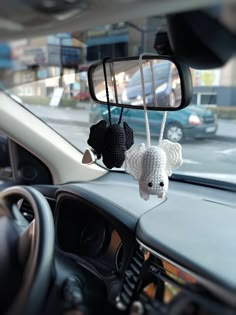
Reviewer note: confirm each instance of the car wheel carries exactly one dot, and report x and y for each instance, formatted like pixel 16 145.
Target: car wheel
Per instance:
pixel 174 133
pixel 172 99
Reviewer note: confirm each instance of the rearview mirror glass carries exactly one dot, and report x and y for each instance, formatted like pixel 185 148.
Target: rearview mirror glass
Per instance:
pixel 164 84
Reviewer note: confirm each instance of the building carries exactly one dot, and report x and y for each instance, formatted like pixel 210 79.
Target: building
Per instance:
pixel 36 66
pixel 122 39
pixel 107 41
pixel 5 60
pixel 42 62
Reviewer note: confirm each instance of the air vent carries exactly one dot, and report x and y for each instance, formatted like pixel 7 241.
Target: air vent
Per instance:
pixel 131 280
pixel 26 210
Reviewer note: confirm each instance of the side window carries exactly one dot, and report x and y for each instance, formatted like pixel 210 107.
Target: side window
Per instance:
pixel 175 72
pixel 147 74
pixel 204 98
pixel 208 99
pixel 5 164
pixel 161 72
pixel 194 98
pixel 17 165
pixel 136 78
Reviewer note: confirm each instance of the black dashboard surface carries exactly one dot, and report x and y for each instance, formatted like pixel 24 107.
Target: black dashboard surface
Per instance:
pixel 115 193
pixel 194 226
pixel 196 229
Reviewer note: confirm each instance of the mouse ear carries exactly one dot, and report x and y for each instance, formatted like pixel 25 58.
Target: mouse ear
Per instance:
pixel 133 160
pixel 129 135
pixel 97 136
pixel 173 155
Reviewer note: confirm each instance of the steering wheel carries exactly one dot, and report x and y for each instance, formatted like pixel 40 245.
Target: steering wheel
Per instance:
pixel 26 252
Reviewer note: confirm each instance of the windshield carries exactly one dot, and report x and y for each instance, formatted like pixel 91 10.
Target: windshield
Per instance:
pixel 49 75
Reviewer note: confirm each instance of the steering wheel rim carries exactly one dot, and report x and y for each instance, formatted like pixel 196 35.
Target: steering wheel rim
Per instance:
pixel 41 239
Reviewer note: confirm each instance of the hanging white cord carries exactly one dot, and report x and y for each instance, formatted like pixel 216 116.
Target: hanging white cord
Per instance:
pixel 163 123
pixel 144 101
pixel 153 85
pixel 113 77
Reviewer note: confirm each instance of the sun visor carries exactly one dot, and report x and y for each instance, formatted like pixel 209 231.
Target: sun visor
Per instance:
pixel 200 40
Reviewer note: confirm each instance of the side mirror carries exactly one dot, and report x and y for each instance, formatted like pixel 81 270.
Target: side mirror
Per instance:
pixel 167 83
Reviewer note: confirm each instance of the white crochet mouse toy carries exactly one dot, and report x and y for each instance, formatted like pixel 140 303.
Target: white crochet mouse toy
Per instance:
pixel 151 165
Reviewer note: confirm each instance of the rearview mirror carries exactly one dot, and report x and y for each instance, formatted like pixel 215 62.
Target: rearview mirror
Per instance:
pixel 167 83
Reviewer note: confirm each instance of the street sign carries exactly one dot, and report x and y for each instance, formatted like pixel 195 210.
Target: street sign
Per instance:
pixel 56 96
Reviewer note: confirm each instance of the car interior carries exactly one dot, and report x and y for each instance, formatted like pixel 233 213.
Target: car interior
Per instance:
pixel 83 228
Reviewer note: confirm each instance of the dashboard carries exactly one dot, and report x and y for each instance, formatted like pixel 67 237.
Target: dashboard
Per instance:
pixel 161 250
pixel 90 236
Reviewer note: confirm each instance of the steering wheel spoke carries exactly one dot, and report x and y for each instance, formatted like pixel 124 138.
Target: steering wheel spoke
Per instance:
pixel 25 230
pixel 19 219
pixel 25 242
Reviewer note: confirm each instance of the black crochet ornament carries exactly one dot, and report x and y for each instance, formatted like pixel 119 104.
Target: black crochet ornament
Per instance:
pixel 112 141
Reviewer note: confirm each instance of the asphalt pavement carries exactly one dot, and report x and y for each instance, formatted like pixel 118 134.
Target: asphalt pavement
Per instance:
pixel 213 155
pixel 80 115
pixel 63 115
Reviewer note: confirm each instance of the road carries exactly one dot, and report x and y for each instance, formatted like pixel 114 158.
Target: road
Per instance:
pixel 213 155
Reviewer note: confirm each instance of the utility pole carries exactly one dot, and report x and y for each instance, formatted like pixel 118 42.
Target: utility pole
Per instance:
pixel 61 38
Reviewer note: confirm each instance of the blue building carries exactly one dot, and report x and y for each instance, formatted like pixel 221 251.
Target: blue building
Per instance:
pixel 5 56
pixel 107 41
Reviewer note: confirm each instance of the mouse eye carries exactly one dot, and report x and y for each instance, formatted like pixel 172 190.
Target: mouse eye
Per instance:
pixel 161 184
pixel 150 184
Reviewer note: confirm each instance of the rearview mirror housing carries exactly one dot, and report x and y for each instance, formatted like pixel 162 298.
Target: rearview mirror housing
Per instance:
pixel 167 82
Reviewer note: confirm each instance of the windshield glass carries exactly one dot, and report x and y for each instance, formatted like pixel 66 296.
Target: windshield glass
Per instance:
pixel 49 75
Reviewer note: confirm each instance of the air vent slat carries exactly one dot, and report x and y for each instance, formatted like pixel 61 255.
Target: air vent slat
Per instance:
pixel 131 280
pixel 27 211
pixel 138 262
pixel 128 273
pixel 130 283
pixel 139 255
pixel 128 291
pixel 29 217
pixel 125 298
pixel 134 268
